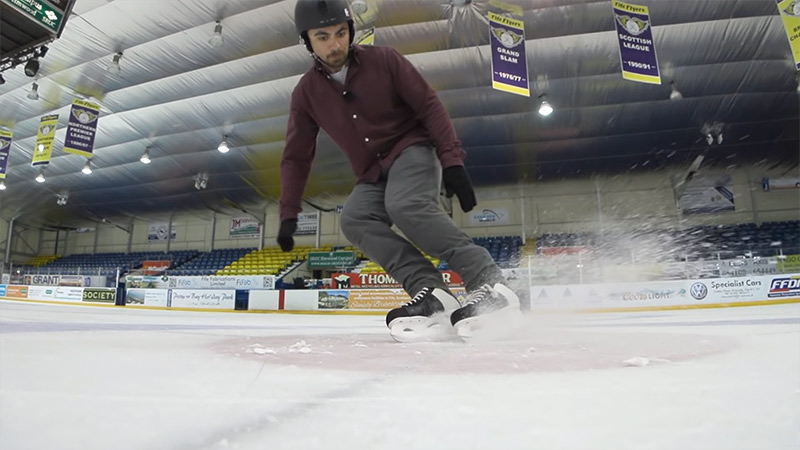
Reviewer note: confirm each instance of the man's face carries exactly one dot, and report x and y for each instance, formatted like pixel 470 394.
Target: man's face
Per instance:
pixel 331 44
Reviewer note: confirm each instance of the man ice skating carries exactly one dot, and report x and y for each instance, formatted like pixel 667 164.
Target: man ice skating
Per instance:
pixel 401 145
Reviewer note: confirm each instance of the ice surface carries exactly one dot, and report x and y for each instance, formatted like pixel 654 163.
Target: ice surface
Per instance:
pixel 87 378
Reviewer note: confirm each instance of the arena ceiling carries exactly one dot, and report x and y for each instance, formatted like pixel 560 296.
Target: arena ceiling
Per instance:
pixel 178 95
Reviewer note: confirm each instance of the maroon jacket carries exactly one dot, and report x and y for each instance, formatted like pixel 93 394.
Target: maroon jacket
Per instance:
pixel 384 107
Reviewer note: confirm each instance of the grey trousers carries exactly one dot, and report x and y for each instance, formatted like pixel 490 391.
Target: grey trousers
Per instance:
pixel 407 195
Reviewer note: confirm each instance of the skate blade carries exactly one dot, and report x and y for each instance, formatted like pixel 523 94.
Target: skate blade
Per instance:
pixel 492 326
pixel 421 329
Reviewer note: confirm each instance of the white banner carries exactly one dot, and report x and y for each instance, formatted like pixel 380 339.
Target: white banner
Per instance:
pixel 787 286
pixel 157 231
pixel 146 297
pixel 223 282
pixel 68 293
pixel 728 289
pixel 41 292
pixel 244 227
pixel 769 184
pixel 42 280
pixel 489 217
pixel 195 298
pixel 745 267
pixel 64 280
pixel 668 293
pixel 707 195
pixel 307 223
pixel 147 281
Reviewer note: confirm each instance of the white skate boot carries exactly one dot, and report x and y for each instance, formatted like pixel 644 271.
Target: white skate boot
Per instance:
pixel 487 312
pixel 424 318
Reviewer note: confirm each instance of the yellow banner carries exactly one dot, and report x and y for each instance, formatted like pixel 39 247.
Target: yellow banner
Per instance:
pixel 377 299
pixel 367 37
pixel 630 8
pixel 5 147
pixel 43 149
pixel 506 20
pixel 789 264
pixel 386 299
pixel 513 9
pixel 790 13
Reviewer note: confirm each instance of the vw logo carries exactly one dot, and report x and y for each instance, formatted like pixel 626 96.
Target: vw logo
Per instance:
pixel 698 291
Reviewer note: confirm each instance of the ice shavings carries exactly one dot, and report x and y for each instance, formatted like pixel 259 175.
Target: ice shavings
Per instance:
pixel 259 349
pixel 300 347
pixel 638 361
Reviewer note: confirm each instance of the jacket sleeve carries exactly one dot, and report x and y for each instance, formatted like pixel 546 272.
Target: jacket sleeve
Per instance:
pixel 301 142
pixel 420 96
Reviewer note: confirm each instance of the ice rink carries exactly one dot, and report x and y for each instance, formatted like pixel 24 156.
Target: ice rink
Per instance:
pixel 77 377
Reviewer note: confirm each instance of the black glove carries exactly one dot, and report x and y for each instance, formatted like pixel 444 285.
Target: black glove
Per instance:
pixel 456 181
pixel 285 239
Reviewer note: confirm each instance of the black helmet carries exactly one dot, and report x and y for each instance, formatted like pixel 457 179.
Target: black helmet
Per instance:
pixel 310 14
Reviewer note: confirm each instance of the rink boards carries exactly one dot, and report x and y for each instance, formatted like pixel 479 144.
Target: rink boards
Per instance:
pixel 674 294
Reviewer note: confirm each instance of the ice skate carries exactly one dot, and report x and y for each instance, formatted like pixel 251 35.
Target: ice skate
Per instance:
pixel 489 312
pixel 424 318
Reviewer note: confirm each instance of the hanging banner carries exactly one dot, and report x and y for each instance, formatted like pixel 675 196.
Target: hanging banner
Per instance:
pixel 367 37
pixel 509 63
pixel 490 217
pixel 158 232
pixel 82 128
pixel 637 52
pixel 790 13
pixel 708 195
pixel 43 149
pixel 769 184
pixel 307 223
pixel 244 227
pixel 5 146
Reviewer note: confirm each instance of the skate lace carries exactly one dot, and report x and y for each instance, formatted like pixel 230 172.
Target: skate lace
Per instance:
pixel 417 298
pixel 480 294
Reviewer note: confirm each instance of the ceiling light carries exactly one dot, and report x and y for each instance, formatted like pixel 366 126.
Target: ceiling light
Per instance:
pixel 32 68
pixel 223 146
pixel 217 39
pixel 87 168
pixel 719 138
pixel 2 185
pixel 40 178
pixel 34 93
pixel 358 7
pixel 113 66
pixel 675 94
pixel 709 139
pixel 145 159
pixel 544 108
